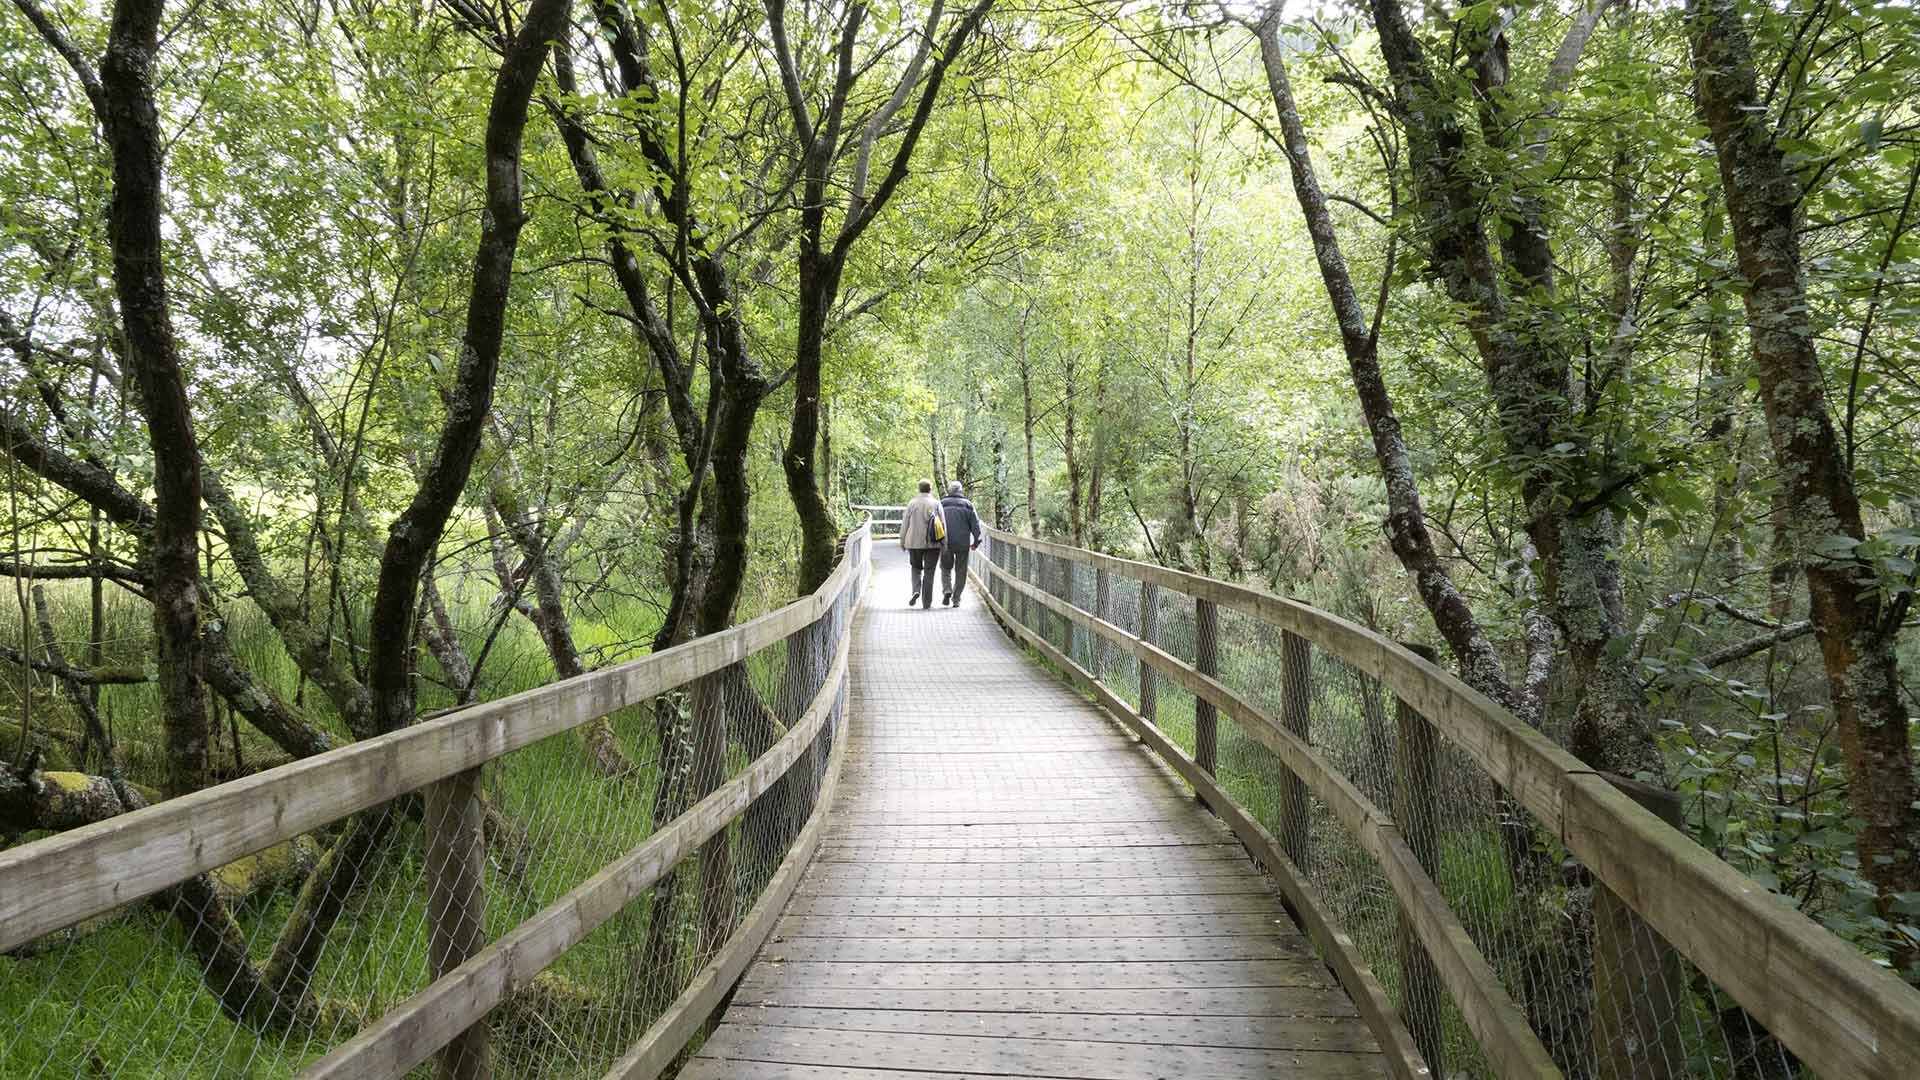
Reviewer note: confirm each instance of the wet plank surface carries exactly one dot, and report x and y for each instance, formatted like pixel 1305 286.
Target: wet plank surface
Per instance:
pixel 1009 887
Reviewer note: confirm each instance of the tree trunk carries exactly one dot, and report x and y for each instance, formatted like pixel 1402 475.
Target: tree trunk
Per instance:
pixel 311 649
pixel 1002 492
pixel 416 532
pixel 819 284
pixel 826 452
pixel 83 701
pixel 548 613
pixel 1726 427
pixel 821 260
pixel 1069 446
pixel 939 455
pixel 1185 408
pixel 1407 532
pixel 1026 421
pixel 1097 470
pixel 261 707
pixel 1854 623
pixel 443 640
pixel 1527 364
pixel 132 128
pixel 732 429
pixel 979 408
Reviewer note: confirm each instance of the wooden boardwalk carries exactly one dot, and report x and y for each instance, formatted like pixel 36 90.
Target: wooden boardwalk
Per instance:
pixel 1012 887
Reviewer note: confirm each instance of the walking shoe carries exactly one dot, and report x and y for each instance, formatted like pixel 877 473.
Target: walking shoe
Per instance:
pixel 912 600
pixel 946 600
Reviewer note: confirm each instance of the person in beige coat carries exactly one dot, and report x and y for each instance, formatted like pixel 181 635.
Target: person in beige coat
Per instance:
pixel 923 547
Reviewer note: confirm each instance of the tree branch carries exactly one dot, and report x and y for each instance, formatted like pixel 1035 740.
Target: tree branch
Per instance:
pixel 101 676
pixel 859 214
pixel 789 70
pixel 77 60
pixel 877 123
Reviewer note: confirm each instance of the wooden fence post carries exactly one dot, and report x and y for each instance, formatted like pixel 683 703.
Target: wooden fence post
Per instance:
pixel 456 866
pixel 1016 604
pixel 1027 576
pixel 1149 633
pixel 1065 570
pixel 1296 673
pixel 711 712
pixel 1638 989
pixel 1040 574
pixel 1206 660
pixel 1103 610
pixel 1050 583
pixel 1413 811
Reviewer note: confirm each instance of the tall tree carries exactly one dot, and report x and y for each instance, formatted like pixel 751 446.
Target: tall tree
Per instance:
pixel 1526 351
pixel 1407 528
pixel 132 126
pixel 1855 618
pixel 822 260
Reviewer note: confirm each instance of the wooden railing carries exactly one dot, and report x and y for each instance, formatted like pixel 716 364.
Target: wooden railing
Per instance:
pixel 1660 903
pixel 885 521
pixel 75 876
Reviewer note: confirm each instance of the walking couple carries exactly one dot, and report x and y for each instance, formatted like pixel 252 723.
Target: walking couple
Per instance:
pixel 942 531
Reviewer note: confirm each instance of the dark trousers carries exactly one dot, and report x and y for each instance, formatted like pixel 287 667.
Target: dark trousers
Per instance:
pixel 953 572
pixel 923 560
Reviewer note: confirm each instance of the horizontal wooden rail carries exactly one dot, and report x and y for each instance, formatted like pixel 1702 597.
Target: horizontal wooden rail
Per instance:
pixel 1496 1021
pixel 1336 948
pixel 1836 1010
pixel 65 879
pixel 668 1035
pixel 415 1029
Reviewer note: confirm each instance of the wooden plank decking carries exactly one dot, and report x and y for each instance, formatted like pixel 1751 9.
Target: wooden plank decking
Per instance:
pixel 1011 887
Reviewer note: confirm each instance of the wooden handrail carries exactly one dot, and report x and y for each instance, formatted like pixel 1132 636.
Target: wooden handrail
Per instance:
pixel 665 1038
pixel 65 879
pixel 1339 951
pixel 1493 1017
pixel 415 1029
pixel 1836 1010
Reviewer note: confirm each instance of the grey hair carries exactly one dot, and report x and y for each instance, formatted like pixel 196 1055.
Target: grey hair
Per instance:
pixel 955 488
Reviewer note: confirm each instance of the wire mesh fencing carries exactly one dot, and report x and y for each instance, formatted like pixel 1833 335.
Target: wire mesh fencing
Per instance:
pixel 289 957
pixel 1585 985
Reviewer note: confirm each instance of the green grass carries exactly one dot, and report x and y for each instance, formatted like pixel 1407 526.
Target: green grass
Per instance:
pixel 120 998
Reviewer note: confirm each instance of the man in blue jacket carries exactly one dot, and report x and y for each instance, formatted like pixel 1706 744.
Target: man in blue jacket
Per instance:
pixel 963 536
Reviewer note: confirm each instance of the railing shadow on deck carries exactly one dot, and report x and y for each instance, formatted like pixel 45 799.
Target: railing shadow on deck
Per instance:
pixel 482 887
pixel 1518 913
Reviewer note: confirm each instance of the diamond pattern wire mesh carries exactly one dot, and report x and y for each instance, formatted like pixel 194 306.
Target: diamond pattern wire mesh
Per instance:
pixel 1574 960
pixel 263 965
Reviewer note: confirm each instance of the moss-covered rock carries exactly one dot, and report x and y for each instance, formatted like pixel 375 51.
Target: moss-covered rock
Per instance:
pixel 281 866
pixel 542 1010
pixel 54 800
